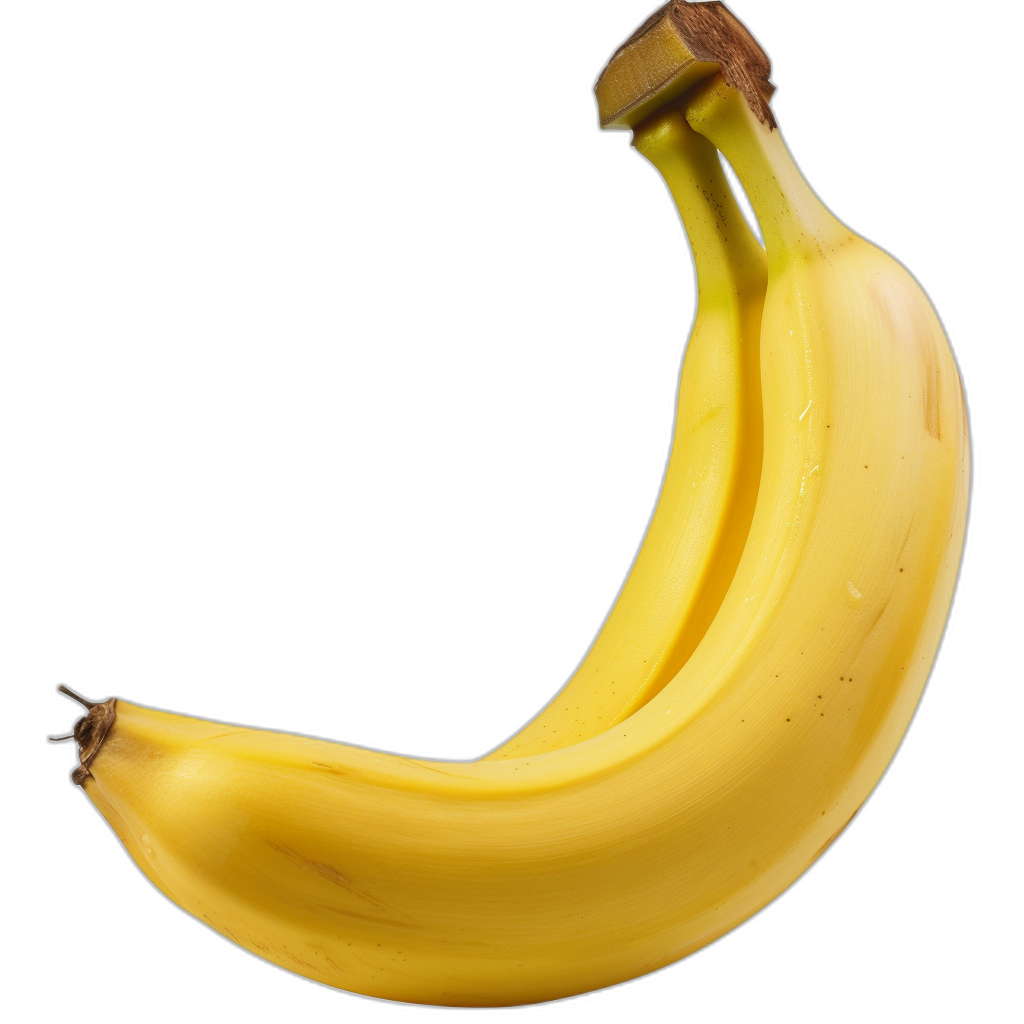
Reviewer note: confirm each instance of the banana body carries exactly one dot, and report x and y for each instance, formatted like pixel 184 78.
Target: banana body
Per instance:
pixel 523 879
pixel 699 527
pixel 518 880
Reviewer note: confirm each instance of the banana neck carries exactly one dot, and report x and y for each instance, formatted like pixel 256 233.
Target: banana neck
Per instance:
pixel 726 254
pixel 793 219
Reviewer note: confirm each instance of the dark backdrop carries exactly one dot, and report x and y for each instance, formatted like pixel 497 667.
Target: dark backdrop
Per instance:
pixel 343 422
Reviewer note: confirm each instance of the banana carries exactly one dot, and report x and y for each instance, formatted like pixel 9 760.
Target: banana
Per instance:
pixel 523 879
pixel 700 524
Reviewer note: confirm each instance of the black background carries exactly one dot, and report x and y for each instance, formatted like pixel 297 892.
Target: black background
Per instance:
pixel 344 422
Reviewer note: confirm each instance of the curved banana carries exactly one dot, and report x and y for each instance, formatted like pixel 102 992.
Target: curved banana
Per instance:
pixel 524 879
pixel 700 524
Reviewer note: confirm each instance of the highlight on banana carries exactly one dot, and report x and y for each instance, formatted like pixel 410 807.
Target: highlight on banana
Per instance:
pixel 747 691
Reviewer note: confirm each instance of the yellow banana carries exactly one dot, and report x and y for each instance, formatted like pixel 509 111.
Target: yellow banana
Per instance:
pixel 522 879
pixel 700 525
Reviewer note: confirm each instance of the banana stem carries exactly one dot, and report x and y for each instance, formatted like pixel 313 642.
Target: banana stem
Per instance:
pixel 725 251
pixel 793 219
pixel 75 696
